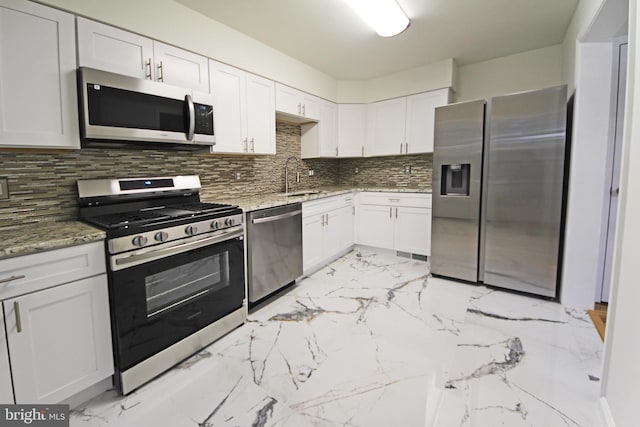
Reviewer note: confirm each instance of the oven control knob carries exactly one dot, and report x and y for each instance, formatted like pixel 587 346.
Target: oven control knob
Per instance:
pixel 161 236
pixel 191 230
pixel 139 241
pixel 215 225
pixel 229 222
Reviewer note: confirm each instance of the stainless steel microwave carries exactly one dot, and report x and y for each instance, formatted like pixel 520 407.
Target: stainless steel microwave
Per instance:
pixel 117 109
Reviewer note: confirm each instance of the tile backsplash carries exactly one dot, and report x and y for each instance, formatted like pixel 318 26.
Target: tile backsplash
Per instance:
pixel 42 185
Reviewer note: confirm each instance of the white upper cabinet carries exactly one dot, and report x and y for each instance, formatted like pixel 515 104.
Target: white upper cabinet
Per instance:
pixel 321 139
pixel 37 73
pixel 403 125
pixel 244 111
pixel 297 105
pixel 386 127
pixel 261 115
pixel 179 67
pixel 107 48
pixel 111 49
pixel 352 129
pixel 420 119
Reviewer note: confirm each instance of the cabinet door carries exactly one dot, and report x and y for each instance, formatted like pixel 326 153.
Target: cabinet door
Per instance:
pixel 6 386
pixel 37 74
pixel 229 108
pixel 352 129
pixel 312 241
pixel 180 67
pixel 413 230
pixel 332 230
pixel 386 127
pixel 328 129
pixel 420 119
pixel 111 49
pixel 64 342
pixel 288 100
pixel 311 106
pixel 345 219
pixel 375 226
pixel 261 115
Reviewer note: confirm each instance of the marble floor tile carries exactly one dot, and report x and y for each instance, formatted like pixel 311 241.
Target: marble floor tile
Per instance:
pixel 373 340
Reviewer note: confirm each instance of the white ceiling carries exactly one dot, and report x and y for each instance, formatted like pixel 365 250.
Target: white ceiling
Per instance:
pixel 327 34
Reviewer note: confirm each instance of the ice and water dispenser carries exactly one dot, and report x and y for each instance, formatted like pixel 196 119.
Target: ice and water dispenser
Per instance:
pixel 455 179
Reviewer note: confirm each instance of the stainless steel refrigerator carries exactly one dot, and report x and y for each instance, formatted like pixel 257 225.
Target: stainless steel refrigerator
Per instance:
pixel 499 177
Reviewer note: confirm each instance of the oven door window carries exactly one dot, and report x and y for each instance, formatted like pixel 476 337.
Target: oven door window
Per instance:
pixel 158 303
pixel 169 289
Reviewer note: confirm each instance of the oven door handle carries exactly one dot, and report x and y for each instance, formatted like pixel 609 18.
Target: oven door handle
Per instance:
pixel 275 217
pixel 185 247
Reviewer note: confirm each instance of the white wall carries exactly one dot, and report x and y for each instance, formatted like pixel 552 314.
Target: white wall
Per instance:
pixel 535 69
pixel 582 18
pixel 587 178
pixel 621 379
pixel 175 24
pixel 420 79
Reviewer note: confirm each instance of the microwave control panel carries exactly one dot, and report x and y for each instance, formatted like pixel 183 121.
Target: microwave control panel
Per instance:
pixel 204 119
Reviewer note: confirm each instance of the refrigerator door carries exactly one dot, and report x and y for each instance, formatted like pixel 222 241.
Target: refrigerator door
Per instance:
pixel 457 171
pixel 524 190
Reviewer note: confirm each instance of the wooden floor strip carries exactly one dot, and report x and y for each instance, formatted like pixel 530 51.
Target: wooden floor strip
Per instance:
pixel 599 318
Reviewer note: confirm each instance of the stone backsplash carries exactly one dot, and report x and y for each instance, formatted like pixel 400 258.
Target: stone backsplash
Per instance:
pixel 42 185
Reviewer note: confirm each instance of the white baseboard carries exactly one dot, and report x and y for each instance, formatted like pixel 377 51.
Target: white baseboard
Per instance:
pixel 605 413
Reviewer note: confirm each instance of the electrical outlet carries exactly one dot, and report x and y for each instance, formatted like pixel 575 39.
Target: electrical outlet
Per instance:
pixel 4 188
pixel 407 169
pixel 356 170
pixel 236 176
pixel 310 172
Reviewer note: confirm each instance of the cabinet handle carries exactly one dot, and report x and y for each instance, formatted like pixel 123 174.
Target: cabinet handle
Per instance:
pixel 299 109
pixel 396 213
pixel 363 151
pixel 406 148
pixel 327 219
pixel 390 212
pixel 253 146
pixel 16 309
pixel 401 148
pixel 322 220
pixel 394 200
pixel 147 65
pixel 304 110
pixel 12 278
pixel 160 73
pixel 246 144
pixel 336 151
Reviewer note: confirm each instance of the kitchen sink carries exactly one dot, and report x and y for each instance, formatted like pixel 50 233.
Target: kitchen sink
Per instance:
pixel 303 193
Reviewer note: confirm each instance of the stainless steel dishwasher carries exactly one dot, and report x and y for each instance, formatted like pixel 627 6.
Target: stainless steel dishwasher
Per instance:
pixel 274 249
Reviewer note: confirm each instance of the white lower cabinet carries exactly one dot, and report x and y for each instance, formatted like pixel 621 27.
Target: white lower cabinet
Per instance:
pixel 6 389
pixel 396 221
pixel 58 330
pixel 59 340
pixel 327 230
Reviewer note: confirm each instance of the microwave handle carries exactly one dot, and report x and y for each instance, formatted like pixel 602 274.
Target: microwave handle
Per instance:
pixel 192 117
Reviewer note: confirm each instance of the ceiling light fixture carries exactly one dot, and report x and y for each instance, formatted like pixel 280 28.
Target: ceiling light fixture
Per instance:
pixel 384 16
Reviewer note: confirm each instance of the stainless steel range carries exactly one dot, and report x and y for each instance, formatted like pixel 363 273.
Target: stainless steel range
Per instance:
pixel 175 267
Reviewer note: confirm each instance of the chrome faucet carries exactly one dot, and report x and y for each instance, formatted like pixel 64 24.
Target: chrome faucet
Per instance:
pixel 286 173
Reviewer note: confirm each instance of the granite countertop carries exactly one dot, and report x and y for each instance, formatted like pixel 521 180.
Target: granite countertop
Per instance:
pixel 270 200
pixel 31 238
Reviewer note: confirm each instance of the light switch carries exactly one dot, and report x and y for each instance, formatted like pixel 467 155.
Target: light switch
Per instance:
pixel 4 188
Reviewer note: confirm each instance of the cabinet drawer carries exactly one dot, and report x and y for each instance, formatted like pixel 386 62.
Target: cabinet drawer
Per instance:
pixel 418 200
pixel 29 273
pixel 319 206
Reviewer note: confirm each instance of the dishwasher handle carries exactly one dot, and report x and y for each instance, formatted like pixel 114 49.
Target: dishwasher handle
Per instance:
pixel 276 217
